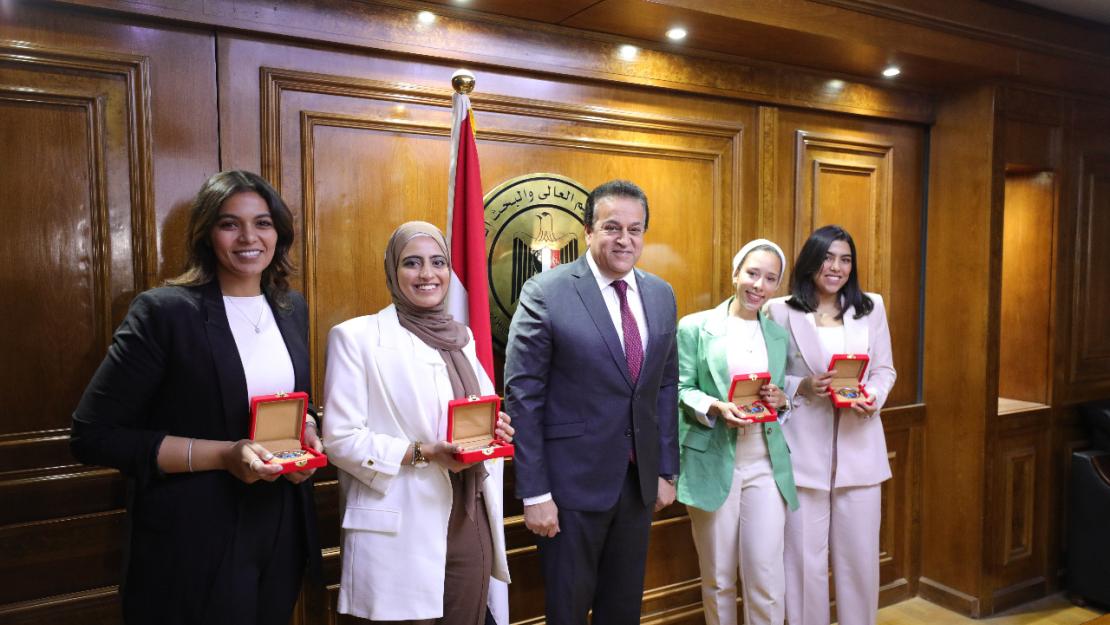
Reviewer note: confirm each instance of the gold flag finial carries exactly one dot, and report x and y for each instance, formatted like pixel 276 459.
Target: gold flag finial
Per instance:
pixel 463 81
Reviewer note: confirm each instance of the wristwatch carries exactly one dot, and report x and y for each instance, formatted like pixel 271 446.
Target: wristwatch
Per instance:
pixel 419 460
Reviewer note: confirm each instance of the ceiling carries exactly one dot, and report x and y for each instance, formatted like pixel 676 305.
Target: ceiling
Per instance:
pixel 936 45
pixel 1096 10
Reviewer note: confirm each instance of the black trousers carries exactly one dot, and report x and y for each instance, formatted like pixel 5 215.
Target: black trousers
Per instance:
pixel 260 577
pixel 597 561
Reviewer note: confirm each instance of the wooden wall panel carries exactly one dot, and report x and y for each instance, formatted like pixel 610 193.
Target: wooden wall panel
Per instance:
pixel 1019 472
pixel 1082 356
pixel 1017 510
pixel 961 221
pixel 87 548
pixel 1028 233
pixel 1091 359
pixel 72 114
pixel 63 134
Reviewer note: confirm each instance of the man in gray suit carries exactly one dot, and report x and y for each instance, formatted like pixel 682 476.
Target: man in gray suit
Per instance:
pixel 591 382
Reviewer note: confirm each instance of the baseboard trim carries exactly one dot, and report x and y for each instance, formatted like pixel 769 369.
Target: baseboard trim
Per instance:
pixel 938 593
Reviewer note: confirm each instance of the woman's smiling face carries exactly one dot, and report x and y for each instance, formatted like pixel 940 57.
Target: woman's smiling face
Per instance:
pixel 423 274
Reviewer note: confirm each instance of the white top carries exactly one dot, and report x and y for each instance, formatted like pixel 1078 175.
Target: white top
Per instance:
pixel 747 350
pixel 832 339
pixel 613 301
pixel 266 362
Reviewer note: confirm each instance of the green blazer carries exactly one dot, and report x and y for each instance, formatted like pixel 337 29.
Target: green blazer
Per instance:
pixel 707 454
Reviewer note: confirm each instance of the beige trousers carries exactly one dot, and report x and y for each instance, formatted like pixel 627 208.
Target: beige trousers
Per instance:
pixel 745 534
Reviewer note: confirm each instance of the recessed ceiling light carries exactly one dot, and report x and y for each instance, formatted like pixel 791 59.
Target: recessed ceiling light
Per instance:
pixel 628 52
pixel 891 71
pixel 426 17
pixel 676 34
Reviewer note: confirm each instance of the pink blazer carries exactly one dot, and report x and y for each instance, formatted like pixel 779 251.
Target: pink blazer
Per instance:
pixel 861 457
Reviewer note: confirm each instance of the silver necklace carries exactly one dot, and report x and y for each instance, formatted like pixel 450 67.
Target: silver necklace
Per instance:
pixel 749 344
pixel 261 311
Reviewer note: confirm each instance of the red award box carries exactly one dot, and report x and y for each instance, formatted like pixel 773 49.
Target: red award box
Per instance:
pixel 277 423
pixel 744 392
pixel 472 424
pixel 846 385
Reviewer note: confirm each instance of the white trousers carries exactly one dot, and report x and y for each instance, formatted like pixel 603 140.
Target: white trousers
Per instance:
pixel 841 526
pixel 745 533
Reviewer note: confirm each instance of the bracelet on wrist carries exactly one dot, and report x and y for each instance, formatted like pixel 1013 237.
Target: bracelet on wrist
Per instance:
pixel 418 457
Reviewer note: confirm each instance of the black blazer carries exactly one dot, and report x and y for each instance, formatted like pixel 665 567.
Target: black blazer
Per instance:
pixel 173 368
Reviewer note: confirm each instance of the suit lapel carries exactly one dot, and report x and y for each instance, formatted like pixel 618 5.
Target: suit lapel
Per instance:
pixel 229 367
pixel 715 348
pixel 587 288
pixel 407 372
pixel 776 347
pixel 805 335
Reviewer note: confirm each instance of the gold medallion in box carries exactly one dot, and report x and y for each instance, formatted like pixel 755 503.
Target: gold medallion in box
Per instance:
pixel 744 392
pixel 472 427
pixel 846 386
pixel 277 423
pixel 533 223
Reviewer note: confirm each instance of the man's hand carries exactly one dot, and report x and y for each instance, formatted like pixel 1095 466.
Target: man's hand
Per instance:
pixel 665 496
pixel 542 518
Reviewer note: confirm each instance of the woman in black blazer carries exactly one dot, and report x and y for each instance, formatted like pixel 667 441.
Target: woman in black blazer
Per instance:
pixel 215 535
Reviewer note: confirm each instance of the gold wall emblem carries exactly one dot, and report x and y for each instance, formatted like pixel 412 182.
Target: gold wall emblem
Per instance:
pixel 533 223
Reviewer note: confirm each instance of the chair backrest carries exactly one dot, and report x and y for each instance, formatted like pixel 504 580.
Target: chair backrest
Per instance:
pixel 1097 416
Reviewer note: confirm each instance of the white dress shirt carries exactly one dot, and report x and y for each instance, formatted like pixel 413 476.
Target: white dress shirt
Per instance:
pixel 613 301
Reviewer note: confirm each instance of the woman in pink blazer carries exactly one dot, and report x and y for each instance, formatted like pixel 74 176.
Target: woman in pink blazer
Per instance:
pixel 839 454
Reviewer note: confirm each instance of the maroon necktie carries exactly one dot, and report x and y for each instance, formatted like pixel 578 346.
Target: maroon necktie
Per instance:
pixel 633 348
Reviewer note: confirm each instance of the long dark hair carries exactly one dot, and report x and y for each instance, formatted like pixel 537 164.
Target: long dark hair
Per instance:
pixel 200 268
pixel 803 292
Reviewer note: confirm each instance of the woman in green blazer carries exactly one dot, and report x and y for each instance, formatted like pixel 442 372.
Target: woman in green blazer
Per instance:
pixel 736 479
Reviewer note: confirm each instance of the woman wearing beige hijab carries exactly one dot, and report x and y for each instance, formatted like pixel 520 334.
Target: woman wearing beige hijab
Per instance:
pixel 422 532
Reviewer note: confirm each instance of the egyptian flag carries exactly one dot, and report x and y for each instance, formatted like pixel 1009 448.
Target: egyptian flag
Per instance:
pixel 468 297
